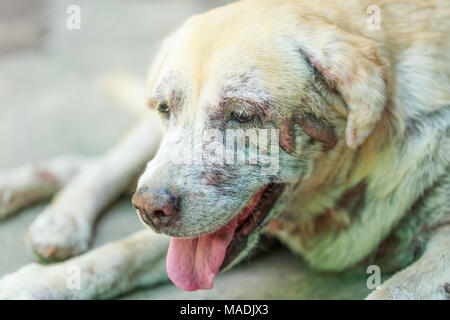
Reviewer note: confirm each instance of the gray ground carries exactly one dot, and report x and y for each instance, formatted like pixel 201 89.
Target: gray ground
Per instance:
pixel 52 102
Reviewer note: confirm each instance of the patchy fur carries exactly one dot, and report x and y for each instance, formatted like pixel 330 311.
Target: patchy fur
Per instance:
pixel 363 119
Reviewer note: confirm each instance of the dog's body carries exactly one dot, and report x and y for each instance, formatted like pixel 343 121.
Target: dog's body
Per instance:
pixel 364 128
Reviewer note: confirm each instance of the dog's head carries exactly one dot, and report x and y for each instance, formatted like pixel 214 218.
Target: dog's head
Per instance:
pixel 269 87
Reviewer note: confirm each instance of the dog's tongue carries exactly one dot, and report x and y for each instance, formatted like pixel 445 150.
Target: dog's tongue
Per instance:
pixel 193 263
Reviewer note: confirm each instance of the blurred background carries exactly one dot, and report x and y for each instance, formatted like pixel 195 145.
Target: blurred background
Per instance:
pixel 54 100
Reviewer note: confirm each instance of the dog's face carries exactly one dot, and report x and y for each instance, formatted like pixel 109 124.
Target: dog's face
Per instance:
pixel 219 80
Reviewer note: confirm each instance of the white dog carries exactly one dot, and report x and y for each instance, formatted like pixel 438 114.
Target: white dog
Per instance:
pixel 363 121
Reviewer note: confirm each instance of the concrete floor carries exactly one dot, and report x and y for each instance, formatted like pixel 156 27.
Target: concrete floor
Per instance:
pixel 52 102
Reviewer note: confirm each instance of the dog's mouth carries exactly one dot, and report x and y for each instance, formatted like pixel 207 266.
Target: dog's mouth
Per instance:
pixel 193 263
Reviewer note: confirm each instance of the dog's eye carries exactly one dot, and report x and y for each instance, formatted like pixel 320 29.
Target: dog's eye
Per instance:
pixel 163 108
pixel 241 118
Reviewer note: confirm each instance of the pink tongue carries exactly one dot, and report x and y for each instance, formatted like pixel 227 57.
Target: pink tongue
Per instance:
pixel 193 263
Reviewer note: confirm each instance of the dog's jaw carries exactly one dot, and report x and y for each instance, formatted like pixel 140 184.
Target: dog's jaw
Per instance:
pixel 193 263
pixel 260 211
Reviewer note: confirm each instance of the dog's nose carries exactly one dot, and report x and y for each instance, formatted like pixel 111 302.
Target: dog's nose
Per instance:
pixel 156 207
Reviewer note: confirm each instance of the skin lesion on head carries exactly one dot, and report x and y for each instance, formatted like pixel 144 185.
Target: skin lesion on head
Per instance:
pixel 318 129
pixel 315 128
pixel 168 91
pixel 287 135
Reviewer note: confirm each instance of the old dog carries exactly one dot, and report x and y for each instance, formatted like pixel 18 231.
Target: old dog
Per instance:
pixel 356 120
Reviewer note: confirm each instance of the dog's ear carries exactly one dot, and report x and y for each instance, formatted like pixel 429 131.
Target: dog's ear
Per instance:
pixel 351 66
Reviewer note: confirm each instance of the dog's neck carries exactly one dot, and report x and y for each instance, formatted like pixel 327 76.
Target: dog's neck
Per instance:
pixel 331 197
pixel 331 178
pixel 343 169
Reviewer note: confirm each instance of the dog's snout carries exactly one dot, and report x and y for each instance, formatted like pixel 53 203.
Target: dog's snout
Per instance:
pixel 156 207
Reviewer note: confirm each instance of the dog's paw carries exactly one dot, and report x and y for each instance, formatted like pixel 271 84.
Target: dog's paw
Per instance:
pixel 388 293
pixel 59 234
pixel 411 291
pixel 31 282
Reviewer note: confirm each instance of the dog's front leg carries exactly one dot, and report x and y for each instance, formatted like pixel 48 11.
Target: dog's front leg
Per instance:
pixel 65 227
pixel 32 182
pixel 427 278
pixel 108 271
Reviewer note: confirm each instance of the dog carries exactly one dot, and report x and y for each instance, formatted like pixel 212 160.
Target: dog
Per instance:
pixel 354 165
